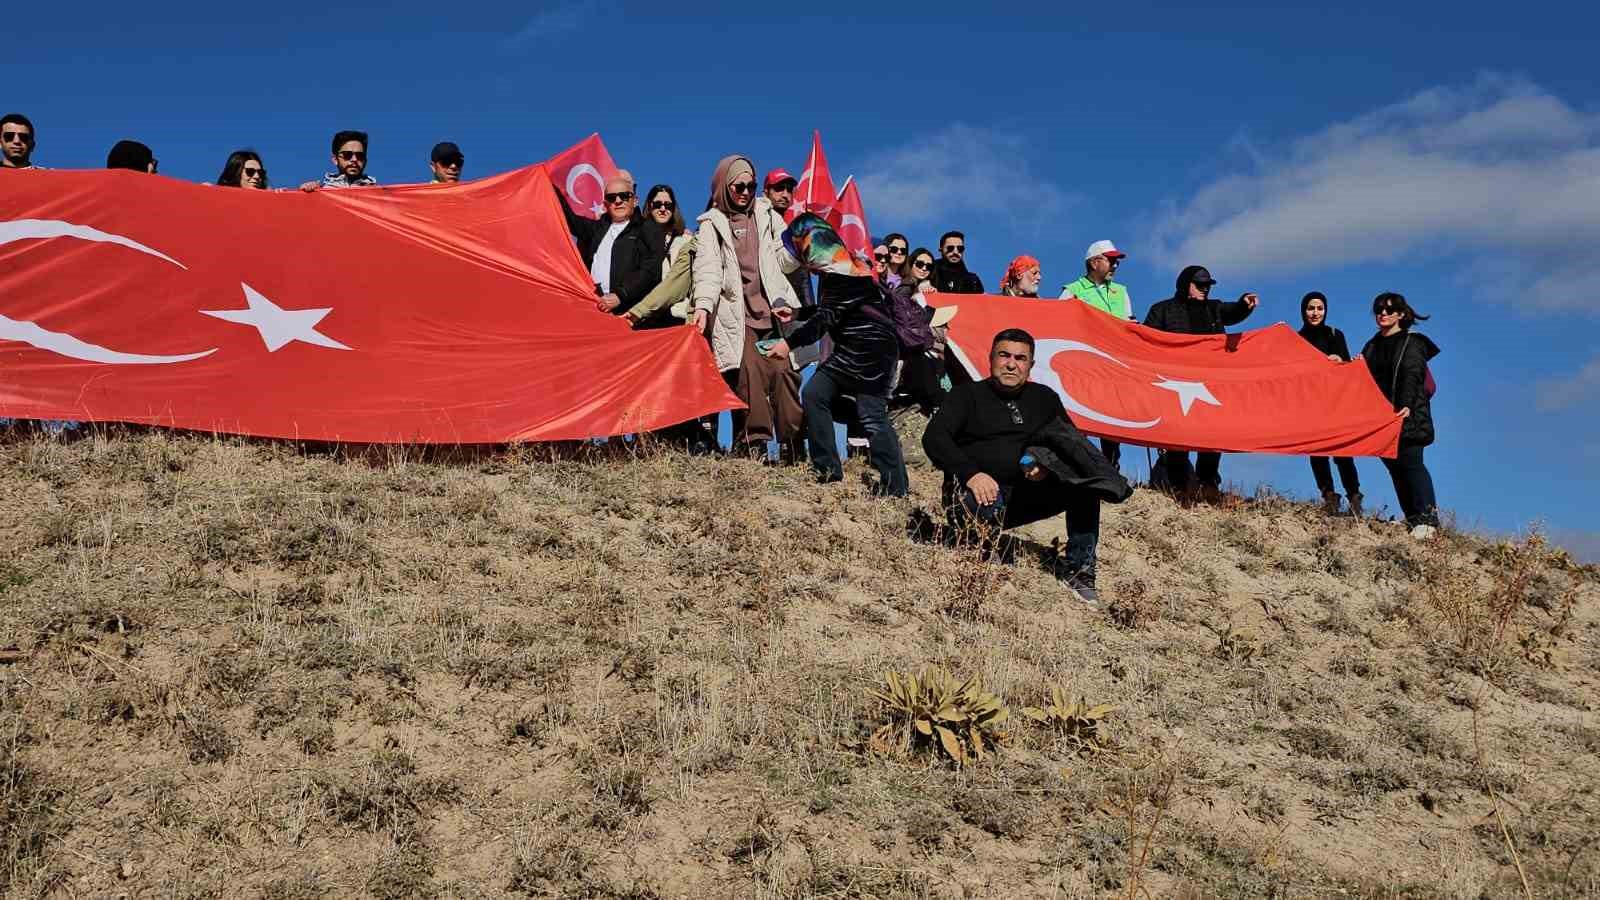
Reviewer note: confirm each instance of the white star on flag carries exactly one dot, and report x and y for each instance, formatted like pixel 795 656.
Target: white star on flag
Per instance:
pixel 597 209
pixel 278 326
pixel 1188 392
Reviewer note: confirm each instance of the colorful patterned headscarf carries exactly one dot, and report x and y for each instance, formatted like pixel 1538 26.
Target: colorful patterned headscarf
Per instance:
pixel 1008 281
pixel 818 248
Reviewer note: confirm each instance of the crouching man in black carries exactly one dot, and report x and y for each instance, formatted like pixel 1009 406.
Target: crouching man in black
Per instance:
pixel 982 433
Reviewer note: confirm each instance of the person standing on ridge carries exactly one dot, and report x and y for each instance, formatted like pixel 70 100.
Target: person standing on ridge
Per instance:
pixel 950 275
pixel 1097 291
pixel 1190 310
pixel 1331 343
pixel 349 164
pixel 1398 358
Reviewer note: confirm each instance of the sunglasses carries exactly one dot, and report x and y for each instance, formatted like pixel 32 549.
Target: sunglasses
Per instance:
pixel 16 137
pixel 248 172
pixel 1016 414
pixel 619 197
pixel 348 155
pixel 898 251
pixel 956 248
pixel 742 187
pixel 452 162
pixel 1386 312
pixel 667 205
pixel 922 264
pixel 782 187
pixel 881 257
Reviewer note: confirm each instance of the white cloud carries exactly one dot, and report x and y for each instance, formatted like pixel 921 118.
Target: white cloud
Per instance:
pixel 1498 172
pixel 959 169
pixel 553 21
pixel 1579 389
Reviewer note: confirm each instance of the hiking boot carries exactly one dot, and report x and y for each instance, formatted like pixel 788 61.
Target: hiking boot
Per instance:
pixel 1355 505
pixel 1423 532
pixel 1330 503
pixel 1083 585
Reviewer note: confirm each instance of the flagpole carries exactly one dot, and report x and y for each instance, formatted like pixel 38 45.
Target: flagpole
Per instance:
pixel 846 187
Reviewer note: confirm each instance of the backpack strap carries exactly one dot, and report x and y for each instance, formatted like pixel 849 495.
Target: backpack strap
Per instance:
pixel 1394 381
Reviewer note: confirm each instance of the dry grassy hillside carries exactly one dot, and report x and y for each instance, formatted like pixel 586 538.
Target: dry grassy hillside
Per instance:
pixel 232 669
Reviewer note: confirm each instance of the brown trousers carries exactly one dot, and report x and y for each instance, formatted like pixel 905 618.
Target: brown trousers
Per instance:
pixel 771 388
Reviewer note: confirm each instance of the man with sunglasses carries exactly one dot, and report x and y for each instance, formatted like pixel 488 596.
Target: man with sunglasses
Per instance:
pixel 622 250
pixel 16 142
pixel 950 275
pixel 446 163
pixel 1096 289
pixel 979 438
pixel 349 163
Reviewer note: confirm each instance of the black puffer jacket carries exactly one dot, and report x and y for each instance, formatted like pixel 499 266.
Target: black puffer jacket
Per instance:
pixel 636 254
pixel 1181 315
pixel 1062 450
pixel 854 313
pixel 1399 364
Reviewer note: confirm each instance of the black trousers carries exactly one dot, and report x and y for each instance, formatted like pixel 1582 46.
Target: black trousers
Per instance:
pixel 1174 473
pixel 919 379
pixel 1413 486
pixel 1112 451
pixel 1347 474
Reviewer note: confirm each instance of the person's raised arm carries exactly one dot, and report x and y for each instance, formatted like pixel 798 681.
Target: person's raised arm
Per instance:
pixel 1240 309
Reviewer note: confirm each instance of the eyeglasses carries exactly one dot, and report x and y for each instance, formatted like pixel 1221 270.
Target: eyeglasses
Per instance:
pixel 921 264
pixel 248 172
pixel 955 248
pixel 898 251
pixel 1016 414
pixel 667 205
pixel 1112 261
pixel 881 257
pixel 348 155
pixel 742 187
pixel 619 197
pixel 16 137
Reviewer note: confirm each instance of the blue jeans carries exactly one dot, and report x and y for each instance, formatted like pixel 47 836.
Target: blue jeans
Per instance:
pixel 1031 501
pixel 821 393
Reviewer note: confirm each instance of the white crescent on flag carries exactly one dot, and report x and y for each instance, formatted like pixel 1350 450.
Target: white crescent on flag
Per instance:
pixel 1043 372
pixel 68 345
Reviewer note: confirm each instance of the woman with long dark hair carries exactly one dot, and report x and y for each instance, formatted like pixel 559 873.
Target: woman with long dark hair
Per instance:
pixel 245 169
pixel 652 311
pixel 1398 358
pixel 896 245
pixel 1330 341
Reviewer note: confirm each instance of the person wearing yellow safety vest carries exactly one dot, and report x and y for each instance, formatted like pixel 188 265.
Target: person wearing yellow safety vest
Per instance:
pixel 1097 290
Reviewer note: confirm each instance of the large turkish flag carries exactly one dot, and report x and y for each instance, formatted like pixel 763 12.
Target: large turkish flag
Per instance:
pixel 419 313
pixel 1263 391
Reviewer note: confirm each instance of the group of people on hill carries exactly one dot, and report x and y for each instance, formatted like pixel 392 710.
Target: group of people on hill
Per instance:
pixel 742 275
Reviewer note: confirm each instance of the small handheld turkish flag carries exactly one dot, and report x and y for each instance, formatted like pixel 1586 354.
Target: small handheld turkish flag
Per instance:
pixel 849 219
pixel 814 192
pixel 581 172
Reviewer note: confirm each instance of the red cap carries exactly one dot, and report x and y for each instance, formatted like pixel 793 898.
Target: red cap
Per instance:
pixel 777 176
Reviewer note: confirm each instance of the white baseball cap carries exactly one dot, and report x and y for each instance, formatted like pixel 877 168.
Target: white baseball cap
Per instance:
pixel 1102 248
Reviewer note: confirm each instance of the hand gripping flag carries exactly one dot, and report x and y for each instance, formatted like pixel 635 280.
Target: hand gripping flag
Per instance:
pixel 421 313
pixel 1263 391
pixel 814 191
pixel 581 172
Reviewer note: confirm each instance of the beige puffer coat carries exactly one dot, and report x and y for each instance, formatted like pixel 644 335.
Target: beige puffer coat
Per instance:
pixel 718 287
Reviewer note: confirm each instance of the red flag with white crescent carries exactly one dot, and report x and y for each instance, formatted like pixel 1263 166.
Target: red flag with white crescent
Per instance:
pixel 849 219
pixel 814 192
pixel 1262 391
pixel 417 313
pixel 581 172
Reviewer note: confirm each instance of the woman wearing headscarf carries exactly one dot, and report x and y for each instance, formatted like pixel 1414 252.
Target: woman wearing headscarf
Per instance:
pixel 1398 358
pixel 1331 343
pixel 742 295
pixel 1021 278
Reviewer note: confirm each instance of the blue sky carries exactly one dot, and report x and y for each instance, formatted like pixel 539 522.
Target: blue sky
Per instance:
pixel 1448 151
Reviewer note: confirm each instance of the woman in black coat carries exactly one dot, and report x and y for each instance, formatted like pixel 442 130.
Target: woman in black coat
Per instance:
pixel 1330 341
pixel 1398 360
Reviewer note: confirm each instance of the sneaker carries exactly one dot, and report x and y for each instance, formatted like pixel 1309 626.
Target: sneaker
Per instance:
pixel 1423 532
pixel 1084 588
